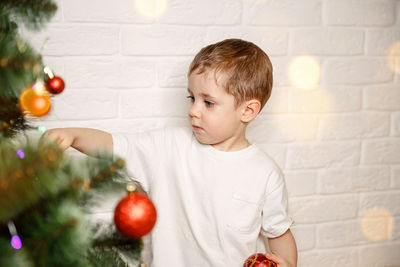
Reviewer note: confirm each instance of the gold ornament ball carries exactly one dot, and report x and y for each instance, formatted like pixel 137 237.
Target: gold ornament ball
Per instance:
pixel 34 103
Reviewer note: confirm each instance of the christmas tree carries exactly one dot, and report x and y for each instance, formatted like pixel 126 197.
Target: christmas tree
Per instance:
pixel 46 196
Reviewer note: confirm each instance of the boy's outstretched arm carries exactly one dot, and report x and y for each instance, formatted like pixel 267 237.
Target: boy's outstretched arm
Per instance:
pixel 85 140
pixel 283 249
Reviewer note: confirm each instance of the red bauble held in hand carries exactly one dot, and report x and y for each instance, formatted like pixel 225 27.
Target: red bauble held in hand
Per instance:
pixel 258 260
pixel 135 215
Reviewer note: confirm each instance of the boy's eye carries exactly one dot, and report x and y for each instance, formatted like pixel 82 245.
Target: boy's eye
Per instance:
pixel 208 103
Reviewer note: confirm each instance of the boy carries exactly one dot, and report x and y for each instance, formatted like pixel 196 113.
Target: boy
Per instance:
pixel 215 193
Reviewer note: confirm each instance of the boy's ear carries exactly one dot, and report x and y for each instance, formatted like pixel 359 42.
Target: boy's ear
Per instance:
pixel 250 110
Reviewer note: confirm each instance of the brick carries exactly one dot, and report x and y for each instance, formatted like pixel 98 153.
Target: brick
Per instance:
pixel 275 151
pixel 206 12
pixel 350 180
pixel 340 234
pixel 103 11
pixel 84 104
pixel 384 151
pixel 383 97
pixel 359 12
pixel 395 177
pixel 283 128
pixel 157 40
pixel 282 13
pixel 327 41
pixel 396 124
pixel 338 99
pixel 265 130
pixel 388 201
pixel 396 234
pixel 344 257
pixel 172 72
pixel 357 71
pixel 354 125
pixel 277 103
pixel 154 103
pixel 380 41
pixel 300 183
pixel 322 155
pixel 142 124
pixel 317 209
pixel 75 39
pixel 304 236
pixel 274 42
pixel 380 255
pixel 281 67
pixel 112 72
pixel 57 65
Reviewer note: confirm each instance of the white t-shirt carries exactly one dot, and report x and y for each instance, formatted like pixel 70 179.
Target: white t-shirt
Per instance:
pixel 211 205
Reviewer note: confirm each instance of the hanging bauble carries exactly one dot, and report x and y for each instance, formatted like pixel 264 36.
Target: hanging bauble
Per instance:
pixel 258 260
pixel 135 214
pixel 55 85
pixel 35 102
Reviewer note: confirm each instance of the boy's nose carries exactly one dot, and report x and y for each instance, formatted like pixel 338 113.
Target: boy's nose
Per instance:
pixel 194 111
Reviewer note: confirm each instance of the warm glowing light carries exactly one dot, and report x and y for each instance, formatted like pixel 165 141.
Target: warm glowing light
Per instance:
pixel 304 72
pixel 394 57
pixel 16 242
pixel 151 8
pixel 377 224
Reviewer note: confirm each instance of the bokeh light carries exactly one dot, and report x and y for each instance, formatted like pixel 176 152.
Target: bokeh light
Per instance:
pixel 16 242
pixel 394 57
pixel 21 153
pixel 377 224
pixel 303 123
pixel 41 129
pixel 151 8
pixel 304 72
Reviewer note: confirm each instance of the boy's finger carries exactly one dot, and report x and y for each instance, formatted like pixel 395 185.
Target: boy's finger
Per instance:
pixel 273 257
pixel 63 144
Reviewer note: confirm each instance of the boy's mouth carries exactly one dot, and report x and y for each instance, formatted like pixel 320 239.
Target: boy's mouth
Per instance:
pixel 196 128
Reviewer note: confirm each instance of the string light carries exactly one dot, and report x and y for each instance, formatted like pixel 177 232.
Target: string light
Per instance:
pixel 41 129
pixel 21 153
pixel 16 242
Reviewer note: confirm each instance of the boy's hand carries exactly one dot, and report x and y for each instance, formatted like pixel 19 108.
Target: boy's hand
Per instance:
pixel 280 262
pixel 62 137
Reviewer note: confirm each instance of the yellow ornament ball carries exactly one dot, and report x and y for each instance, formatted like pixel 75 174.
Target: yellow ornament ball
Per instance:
pixel 35 103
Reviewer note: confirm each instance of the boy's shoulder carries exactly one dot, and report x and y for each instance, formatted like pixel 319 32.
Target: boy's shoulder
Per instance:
pixel 262 158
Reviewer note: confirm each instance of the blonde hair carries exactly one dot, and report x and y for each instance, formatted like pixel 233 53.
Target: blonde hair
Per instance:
pixel 248 68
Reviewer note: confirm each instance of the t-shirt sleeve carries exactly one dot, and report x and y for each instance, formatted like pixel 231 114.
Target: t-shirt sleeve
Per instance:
pixel 140 151
pixel 276 220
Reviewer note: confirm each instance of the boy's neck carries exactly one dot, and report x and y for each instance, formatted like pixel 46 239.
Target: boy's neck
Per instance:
pixel 235 143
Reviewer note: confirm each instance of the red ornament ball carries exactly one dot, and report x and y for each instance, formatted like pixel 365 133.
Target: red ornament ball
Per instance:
pixel 55 85
pixel 258 260
pixel 135 215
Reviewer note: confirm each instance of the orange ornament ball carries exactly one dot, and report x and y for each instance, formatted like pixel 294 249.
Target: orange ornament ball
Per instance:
pixel 36 104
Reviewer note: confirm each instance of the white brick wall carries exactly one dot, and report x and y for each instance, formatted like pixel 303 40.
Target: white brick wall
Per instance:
pixel 338 145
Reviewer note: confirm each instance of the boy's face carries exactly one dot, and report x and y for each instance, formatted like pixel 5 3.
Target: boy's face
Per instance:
pixel 212 112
